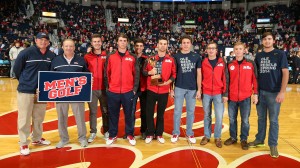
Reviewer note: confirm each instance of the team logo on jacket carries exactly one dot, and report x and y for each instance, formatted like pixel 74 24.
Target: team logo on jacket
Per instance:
pixel 128 59
pixel 221 64
pixel 232 67
pixel 75 62
pixel 168 60
pixel 246 67
pixel 103 57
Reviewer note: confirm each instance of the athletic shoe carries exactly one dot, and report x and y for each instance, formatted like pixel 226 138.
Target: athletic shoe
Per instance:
pixel 61 144
pixel 83 143
pixel 255 144
pixel 24 150
pixel 92 137
pixel 106 135
pixel 274 152
pixel 191 139
pixel 42 141
pixel 160 139
pixel 174 138
pixel 148 139
pixel 111 140
pixel 131 140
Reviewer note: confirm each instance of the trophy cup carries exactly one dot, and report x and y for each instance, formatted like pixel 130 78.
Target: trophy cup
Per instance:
pixel 155 79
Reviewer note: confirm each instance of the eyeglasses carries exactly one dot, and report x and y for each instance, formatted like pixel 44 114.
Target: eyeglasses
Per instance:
pixel 211 48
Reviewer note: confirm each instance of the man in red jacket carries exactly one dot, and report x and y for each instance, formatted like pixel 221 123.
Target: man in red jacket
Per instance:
pixel 215 90
pixel 95 62
pixel 242 84
pixel 122 79
pixel 166 68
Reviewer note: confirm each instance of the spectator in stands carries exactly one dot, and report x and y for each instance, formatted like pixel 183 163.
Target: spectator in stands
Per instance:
pixel 28 108
pixel 296 63
pixel 230 57
pixel 13 53
pixel 273 77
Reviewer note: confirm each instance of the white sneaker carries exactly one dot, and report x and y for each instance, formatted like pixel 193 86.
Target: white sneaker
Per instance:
pixel 160 139
pixel 42 141
pixel 61 144
pixel 131 140
pixel 174 138
pixel 110 140
pixel 148 139
pixel 92 137
pixel 191 139
pixel 106 135
pixel 83 143
pixel 24 150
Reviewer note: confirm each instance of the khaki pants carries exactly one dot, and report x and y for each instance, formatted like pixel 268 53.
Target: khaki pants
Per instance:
pixel 62 113
pixel 30 112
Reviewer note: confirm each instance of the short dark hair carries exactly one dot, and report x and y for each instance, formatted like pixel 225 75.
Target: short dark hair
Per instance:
pixel 123 35
pixel 139 40
pixel 162 38
pixel 185 37
pixel 268 34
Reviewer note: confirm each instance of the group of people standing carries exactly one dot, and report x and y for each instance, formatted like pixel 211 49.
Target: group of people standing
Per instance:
pixel 122 77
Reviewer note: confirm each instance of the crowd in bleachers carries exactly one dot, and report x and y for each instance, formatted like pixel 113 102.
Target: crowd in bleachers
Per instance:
pixel 222 26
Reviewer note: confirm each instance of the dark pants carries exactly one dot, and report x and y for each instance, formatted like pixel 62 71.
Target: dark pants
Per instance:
pixel 114 101
pixel 162 100
pixel 143 103
pixel 295 77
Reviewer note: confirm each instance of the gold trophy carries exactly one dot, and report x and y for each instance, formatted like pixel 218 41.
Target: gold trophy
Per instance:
pixel 155 79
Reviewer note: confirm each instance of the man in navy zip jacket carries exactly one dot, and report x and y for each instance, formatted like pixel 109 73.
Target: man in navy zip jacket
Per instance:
pixel 215 90
pixel 95 61
pixel 122 80
pixel 70 62
pixel 242 84
pixel 28 63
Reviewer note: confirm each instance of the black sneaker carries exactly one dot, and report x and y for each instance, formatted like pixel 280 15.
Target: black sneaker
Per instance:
pixel 143 136
pixel 244 145
pixel 230 141
pixel 255 144
pixel 274 152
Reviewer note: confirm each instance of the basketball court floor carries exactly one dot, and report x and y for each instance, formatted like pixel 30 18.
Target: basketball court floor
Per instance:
pixel 122 154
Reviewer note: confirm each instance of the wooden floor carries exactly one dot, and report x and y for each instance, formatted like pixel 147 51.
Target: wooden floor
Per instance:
pixel 121 154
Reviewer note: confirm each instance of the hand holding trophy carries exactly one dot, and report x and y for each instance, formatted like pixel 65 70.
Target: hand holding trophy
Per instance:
pixel 155 78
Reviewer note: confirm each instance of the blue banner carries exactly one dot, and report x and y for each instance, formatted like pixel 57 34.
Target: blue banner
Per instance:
pixel 64 86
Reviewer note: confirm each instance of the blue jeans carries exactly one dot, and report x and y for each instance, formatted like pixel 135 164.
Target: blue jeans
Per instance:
pixel 267 104
pixel 219 110
pixel 245 107
pixel 12 64
pixel 190 100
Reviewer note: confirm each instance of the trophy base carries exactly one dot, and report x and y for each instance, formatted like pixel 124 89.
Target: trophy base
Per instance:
pixel 156 80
